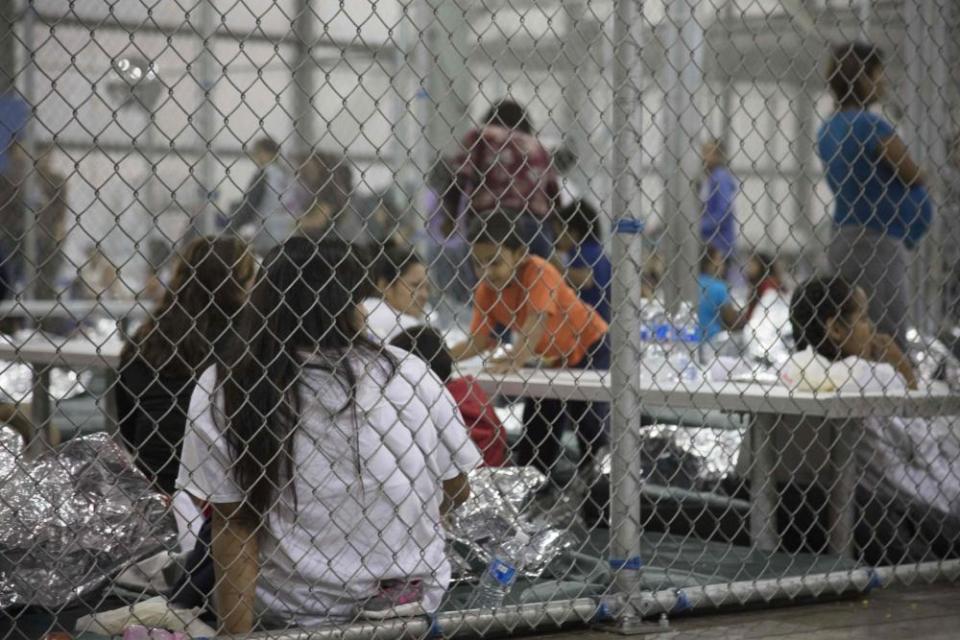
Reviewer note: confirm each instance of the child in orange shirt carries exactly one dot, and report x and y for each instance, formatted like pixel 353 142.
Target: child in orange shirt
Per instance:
pixel 529 296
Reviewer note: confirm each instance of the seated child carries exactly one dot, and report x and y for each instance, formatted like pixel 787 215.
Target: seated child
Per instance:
pixel 577 230
pixel 650 278
pixel 527 294
pixel 401 280
pixel 908 493
pixel 715 311
pixel 837 345
pixel 764 275
pixel 475 406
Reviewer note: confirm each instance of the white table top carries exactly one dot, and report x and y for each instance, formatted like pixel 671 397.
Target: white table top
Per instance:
pixel 76 309
pixel 737 397
pixel 76 353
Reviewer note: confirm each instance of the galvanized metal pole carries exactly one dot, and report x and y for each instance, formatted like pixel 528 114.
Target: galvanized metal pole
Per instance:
pixel 625 473
pixel 28 195
pixel 411 156
pixel 682 78
pixel 937 134
pixel 305 77
pixel 205 221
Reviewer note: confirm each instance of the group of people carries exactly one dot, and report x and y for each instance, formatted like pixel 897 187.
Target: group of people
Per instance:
pixel 309 195
pixel 320 423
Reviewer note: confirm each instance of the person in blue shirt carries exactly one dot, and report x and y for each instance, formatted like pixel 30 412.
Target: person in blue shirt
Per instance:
pixel 715 309
pixel 577 230
pixel 881 207
pixel 718 225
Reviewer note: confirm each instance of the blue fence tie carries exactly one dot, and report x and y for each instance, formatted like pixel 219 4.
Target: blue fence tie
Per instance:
pixel 628 225
pixel 634 563
pixel 683 602
pixel 875 582
pixel 435 630
pixel 602 614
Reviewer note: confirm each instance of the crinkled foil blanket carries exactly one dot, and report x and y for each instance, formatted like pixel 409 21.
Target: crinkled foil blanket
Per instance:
pixel 502 501
pixel 500 505
pixel 71 518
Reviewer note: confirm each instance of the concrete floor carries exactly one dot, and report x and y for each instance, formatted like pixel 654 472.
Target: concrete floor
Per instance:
pixel 915 613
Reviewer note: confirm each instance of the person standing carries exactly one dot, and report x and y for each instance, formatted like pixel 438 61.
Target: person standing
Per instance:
pixel 504 167
pixel 881 207
pixel 718 224
pixel 52 225
pixel 261 216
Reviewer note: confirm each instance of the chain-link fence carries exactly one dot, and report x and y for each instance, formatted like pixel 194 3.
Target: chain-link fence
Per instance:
pixel 436 317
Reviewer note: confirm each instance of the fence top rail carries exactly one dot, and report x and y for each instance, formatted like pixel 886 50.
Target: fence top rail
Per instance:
pixel 737 397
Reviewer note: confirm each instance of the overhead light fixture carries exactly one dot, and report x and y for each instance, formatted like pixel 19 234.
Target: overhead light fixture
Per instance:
pixel 135 81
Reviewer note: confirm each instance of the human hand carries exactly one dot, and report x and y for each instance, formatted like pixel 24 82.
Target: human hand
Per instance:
pixel 502 367
pixel 885 349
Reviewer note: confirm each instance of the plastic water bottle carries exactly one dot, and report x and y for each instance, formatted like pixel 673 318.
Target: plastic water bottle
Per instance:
pixel 684 357
pixel 501 574
pixel 656 333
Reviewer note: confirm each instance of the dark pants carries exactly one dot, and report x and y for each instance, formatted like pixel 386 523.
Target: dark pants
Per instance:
pixel 545 420
pixel 195 587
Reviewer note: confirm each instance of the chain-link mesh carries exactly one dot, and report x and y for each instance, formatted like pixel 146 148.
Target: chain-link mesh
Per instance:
pixel 447 317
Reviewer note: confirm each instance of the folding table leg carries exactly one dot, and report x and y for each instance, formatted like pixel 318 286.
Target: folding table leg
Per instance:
pixel 41 408
pixel 763 488
pixel 842 509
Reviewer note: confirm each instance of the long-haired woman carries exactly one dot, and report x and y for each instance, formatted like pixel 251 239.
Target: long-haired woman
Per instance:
pixel 160 363
pixel 328 459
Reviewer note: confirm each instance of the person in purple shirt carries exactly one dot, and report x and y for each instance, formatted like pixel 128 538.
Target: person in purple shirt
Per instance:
pixel 718 225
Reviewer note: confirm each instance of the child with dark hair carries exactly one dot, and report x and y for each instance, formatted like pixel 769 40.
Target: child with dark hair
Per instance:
pixel 527 295
pixel 160 364
pixel 907 494
pixel 763 274
pixel 715 309
pixel 475 406
pixel 837 343
pixel 881 208
pixel 329 460
pixel 577 230
pixel 404 287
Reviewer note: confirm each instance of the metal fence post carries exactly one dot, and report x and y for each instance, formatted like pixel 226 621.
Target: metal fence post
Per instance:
pixel 683 40
pixel 205 222
pixel 625 474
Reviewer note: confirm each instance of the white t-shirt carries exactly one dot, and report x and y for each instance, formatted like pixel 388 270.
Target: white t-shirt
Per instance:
pixel 384 322
pixel 911 461
pixel 807 370
pixel 368 486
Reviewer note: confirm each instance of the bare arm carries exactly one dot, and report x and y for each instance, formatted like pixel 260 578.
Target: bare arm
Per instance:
pixel 236 567
pixel 894 152
pixel 455 493
pixel 885 349
pixel 471 347
pixel 732 319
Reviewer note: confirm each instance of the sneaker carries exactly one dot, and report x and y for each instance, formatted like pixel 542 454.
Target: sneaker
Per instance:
pixel 396 599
